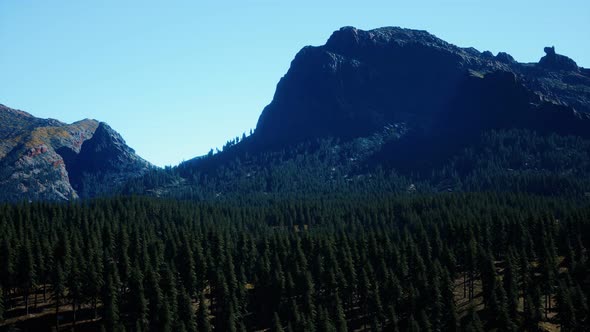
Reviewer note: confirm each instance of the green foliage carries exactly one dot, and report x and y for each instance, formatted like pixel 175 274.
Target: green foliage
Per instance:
pixel 339 263
pixel 503 161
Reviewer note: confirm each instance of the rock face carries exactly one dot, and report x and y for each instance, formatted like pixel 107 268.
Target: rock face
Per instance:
pixel 103 162
pixel 554 61
pixel 45 159
pixel 361 81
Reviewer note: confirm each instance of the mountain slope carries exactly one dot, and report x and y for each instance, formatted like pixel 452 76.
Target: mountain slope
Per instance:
pixel 50 160
pixel 402 101
pixel 361 81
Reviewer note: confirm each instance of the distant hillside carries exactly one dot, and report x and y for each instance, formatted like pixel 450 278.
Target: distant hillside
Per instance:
pixel 50 160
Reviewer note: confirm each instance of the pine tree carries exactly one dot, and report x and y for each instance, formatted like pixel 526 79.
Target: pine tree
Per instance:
pixel 413 325
pixel 566 310
pixel 58 290
pixel 203 324
pixel 26 272
pixel 6 265
pixel 156 302
pixel 324 321
pixel 532 314
pixel 499 311
pixel 186 267
pixel 137 303
pixel 424 322
pixel 511 287
pixel 168 310
pixel 341 323
pixel 393 319
pixel 488 276
pixel 185 310
pixel 581 304
pixel 276 323
pixel 473 322
pixel 74 282
pixel 1 304
pixel 111 303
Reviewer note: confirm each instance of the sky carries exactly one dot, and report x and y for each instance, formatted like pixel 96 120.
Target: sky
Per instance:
pixel 177 78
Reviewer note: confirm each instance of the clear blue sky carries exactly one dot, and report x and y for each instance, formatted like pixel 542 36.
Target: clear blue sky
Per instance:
pixel 177 78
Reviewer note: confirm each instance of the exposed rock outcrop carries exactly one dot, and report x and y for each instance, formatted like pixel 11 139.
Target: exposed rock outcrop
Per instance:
pixel 556 61
pixel 45 159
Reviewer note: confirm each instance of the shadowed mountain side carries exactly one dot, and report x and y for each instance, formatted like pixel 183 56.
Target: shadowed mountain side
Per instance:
pixel 397 100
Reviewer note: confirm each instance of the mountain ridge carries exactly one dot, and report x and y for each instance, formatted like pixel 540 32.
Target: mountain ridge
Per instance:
pixel 36 157
pixel 386 69
pixel 384 100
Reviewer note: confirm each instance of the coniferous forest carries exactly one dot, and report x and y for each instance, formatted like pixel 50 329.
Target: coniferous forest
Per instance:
pixel 441 262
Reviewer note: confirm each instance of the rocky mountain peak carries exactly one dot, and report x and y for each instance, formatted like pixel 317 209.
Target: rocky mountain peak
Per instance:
pixel 361 81
pixel 106 138
pixel 351 38
pixel 50 160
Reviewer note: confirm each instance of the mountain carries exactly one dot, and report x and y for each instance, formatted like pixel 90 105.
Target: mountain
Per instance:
pixel 361 81
pixel 404 101
pixel 45 159
pixel 385 110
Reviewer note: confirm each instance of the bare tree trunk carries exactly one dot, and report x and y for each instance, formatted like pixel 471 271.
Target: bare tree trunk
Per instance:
pixel 57 313
pixel 471 287
pixel 74 314
pixel 546 306
pixel 26 298
pixel 465 284
pixel 95 305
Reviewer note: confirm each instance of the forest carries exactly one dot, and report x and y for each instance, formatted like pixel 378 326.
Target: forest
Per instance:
pixel 342 262
pixel 515 160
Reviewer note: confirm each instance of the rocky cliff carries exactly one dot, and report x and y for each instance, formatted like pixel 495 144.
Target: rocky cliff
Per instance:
pixel 361 81
pixel 45 159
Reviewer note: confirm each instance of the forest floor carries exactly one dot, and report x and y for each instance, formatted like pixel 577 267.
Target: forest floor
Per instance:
pixel 463 304
pixel 42 316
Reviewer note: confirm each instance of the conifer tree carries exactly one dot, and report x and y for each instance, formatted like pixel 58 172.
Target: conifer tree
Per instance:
pixel 203 324
pixel 276 323
pixel 340 315
pixel 111 303
pixel 424 322
pixel 324 321
pixel 393 319
pixel 511 287
pixel 58 290
pixel 581 304
pixel 186 313
pixel 532 315
pixel 413 325
pixel 137 303
pixel 566 310
pixel 186 267
pixel 26 272
pixel 155 300
pixel 474 324
pixel 6 264
pixel 1 304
